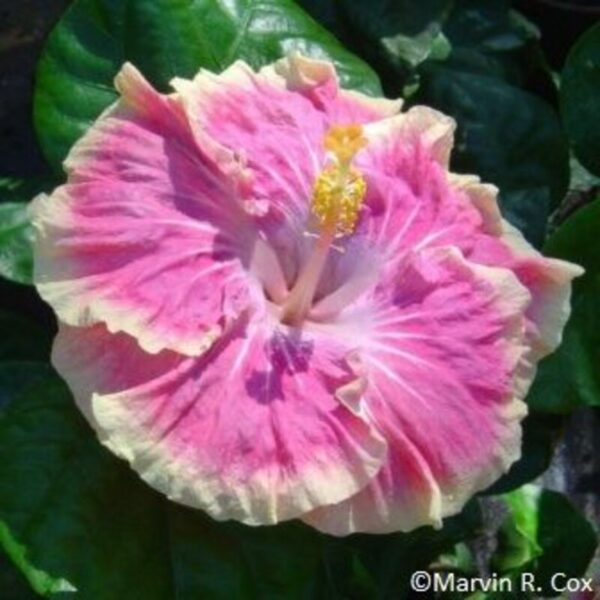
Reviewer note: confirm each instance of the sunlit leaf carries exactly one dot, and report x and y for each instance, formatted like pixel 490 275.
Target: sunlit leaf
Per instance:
pixel 544 534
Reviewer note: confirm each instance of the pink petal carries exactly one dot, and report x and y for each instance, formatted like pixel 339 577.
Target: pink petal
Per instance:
pixel 410 203
pixel 547 279
pixel 278 136
pixel 446 367
pixel 413 203
pixel 252 430
pixel 147 236
pixel 318 82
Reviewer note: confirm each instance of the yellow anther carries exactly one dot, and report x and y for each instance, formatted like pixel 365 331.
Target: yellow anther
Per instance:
pixel 340 188
pixel 337 206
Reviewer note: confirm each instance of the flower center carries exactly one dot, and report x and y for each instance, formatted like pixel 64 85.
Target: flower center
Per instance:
pixel 337 196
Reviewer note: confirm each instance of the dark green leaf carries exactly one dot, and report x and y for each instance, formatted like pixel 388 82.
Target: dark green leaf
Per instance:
pixel 580 100
pixel 165 38
pixel 484 37
pixel 506 136
pixel 395 36
pixel 391 559
pixel 24 346
pixel 230 560
pixel 71 516
pixel 543 535
pixel 404 32
pixel 570 377
pixel 16 377
pixel 488 38
pixel 567 539
pixel 488 26
pixel 540 435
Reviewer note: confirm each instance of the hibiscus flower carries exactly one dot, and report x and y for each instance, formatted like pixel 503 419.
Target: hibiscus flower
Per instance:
pixel 276 302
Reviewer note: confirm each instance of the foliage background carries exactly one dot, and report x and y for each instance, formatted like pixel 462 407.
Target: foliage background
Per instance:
pixel 74 518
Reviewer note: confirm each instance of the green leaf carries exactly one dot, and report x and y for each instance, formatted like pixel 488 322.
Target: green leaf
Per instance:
pixel 581 179
pixel 570 377
pixel 16 261
pixel 391 559
pixel 506 136
pixel 460 559
pixel 543 535
pixel 13 189
pixel 230 560
pixel 395 37
pixel 568 541
pixel 484 37
pixel 165 38
pixel 540 436
pixel 16 235
pixel 580 101
pixel 71 516
pixel 488 38
pixel 404 32
pixel 517 543
pixel 16 377
pixel 489 26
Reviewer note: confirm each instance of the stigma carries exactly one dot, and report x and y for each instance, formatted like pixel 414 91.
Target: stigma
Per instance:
pixel 337 198
pixel 340 188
